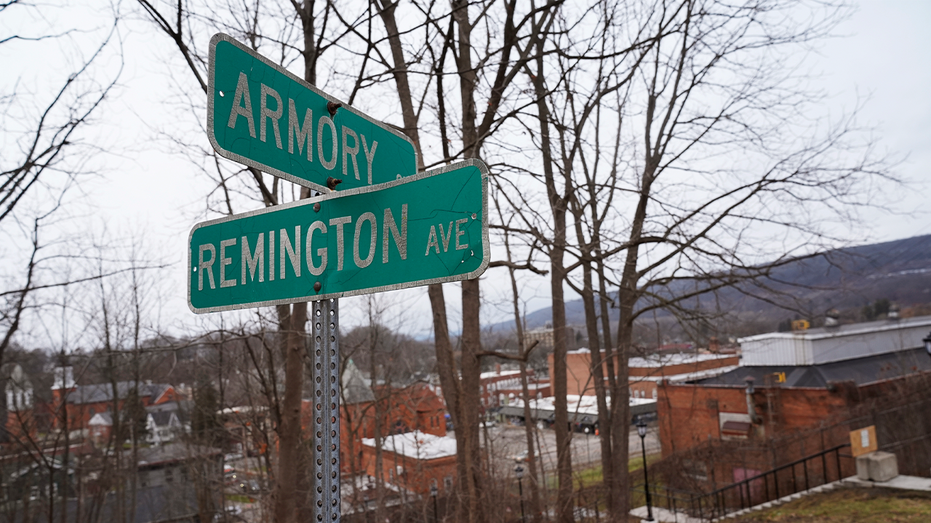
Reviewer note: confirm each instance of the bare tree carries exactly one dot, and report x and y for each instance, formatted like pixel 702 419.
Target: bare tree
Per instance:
pixel 44 152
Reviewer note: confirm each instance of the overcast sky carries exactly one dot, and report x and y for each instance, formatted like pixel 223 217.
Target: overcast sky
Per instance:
pixel 879 60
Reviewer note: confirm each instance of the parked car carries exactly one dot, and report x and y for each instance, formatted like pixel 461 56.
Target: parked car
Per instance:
pixel 249 486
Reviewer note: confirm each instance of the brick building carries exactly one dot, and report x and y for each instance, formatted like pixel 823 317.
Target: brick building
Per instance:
pixel 500 387
pixel 415 407
pixel 645 372
pixel 796 387
pixel 414 461
pixel 82 402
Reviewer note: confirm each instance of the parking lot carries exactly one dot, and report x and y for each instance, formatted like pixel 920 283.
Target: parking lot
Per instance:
pixel 506 442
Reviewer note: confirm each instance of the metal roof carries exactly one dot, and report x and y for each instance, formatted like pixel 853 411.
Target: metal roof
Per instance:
pixel 862 371
pixel 836 343
pixel 101 392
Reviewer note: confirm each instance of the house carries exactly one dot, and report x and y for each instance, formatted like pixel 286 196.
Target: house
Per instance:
pixel 175 482
pixel 83 402
pixel 164 423
pixel 99 428
pixel 16 409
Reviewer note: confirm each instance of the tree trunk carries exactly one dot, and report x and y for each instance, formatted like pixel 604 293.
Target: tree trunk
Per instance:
pixel 597 371
pixel 558 206
pixel 627 299
pixel 292 320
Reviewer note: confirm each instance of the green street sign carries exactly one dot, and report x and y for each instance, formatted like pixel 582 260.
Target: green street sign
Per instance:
pixel 427 228
pixel 261 115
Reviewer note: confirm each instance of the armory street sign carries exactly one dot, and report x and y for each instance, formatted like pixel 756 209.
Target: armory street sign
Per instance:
pixel 261 115
pixel 427 228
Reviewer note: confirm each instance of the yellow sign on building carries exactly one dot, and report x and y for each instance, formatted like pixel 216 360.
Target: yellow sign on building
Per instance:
pixel 863 441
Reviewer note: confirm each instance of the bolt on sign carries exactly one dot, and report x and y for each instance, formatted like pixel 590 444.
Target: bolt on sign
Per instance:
pixel 261 115
pixel 427 228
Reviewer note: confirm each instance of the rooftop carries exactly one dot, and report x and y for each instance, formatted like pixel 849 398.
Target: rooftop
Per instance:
pixel 862 371
pixel 495 374
pixel 664 360
pixel 417 445
pixel 171 453
pixel 835 343
pixel 577 404
pixel 101 392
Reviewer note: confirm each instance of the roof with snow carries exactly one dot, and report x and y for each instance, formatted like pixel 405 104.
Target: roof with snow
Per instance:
pixel 495 374
pixel 663 360
pixel 417 445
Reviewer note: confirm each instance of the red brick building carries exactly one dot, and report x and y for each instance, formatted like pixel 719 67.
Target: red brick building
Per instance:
pixel 645 372
pixel 793 392
pixel 415 407
pixel 82 402
pixel 414 461
pixel 500 387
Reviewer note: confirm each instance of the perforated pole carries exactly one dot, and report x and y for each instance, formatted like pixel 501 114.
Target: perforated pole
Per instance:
pixel 325 356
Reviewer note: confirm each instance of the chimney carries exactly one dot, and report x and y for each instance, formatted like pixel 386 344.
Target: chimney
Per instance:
pixel 64 378
pixel 497 368
pixel 714 346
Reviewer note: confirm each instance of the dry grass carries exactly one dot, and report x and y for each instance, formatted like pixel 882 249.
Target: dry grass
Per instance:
pixel 861 505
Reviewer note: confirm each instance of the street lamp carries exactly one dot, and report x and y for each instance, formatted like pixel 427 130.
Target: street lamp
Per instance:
pixel 642 431
pixel 433 493
pixel 519 471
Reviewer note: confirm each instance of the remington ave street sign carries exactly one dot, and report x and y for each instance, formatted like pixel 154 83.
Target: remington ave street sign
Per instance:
pixel 261 115
pixel 426 228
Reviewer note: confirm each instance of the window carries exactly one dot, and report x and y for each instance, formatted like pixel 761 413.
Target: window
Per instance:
pixel 169 477
pixel 448 483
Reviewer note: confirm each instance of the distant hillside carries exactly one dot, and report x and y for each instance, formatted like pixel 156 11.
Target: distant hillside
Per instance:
pixel 845 279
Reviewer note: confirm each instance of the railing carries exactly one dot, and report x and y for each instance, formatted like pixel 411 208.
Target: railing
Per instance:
pixel 788 479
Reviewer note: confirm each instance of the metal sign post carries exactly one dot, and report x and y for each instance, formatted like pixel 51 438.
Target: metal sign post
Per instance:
pixel 388 228
pixel 325 330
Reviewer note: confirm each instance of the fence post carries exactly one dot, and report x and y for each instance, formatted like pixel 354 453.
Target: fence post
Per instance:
pixel 837 457
pixel 824 463
pixel 776 481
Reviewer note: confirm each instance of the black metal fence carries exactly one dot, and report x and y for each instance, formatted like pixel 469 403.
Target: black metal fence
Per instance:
pixel 809 472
